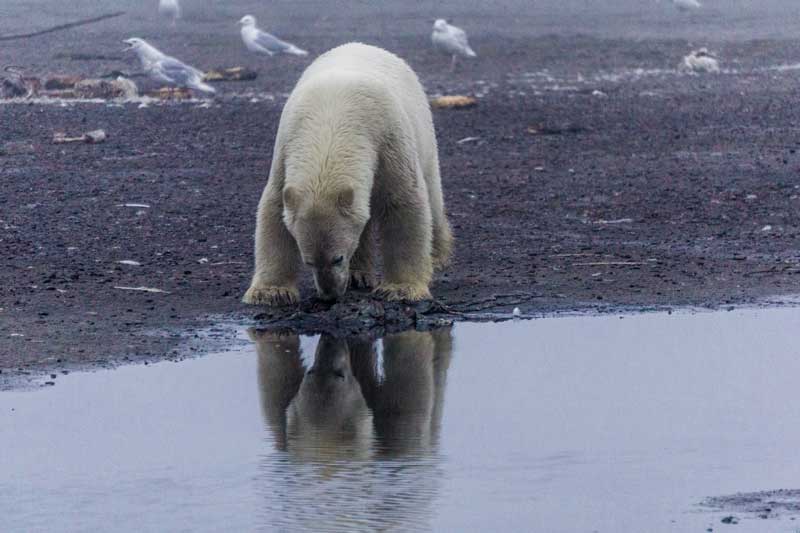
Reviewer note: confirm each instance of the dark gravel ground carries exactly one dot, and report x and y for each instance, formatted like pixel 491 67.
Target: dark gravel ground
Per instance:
pixel 661 190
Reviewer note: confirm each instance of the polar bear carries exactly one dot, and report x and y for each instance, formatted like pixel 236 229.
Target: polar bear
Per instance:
pixel 342 405
pixel 355 153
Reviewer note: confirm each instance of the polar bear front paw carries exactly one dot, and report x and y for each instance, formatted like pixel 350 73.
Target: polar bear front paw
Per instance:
pixel 403 291
pixel 361 280
pixel 272 296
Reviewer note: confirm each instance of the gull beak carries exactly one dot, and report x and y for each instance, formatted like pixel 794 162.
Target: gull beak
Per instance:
pixel 129 45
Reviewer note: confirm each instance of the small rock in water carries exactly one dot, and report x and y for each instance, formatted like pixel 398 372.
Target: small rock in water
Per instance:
pixel 730 520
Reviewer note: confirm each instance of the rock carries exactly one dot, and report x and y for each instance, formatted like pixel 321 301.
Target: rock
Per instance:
pixel 106 89
pixel 19 87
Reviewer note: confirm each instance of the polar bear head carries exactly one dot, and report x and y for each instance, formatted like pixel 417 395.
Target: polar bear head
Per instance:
pixel 329 418
pixel 327 229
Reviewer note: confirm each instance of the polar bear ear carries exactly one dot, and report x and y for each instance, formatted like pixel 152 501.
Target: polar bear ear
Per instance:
pixel 291 198
pixel 345 199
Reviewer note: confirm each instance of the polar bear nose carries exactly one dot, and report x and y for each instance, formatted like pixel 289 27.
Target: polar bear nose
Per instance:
pixel 331 284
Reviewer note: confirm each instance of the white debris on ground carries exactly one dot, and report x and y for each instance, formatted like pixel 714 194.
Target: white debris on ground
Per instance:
pixel 615 221
pixel 700 61
pixel 90 137
pixel 142 289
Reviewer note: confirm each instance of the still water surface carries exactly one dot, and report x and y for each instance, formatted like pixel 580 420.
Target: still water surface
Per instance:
pixel 573 424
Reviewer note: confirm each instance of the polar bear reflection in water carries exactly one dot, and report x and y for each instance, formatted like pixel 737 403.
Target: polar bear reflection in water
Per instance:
pixel 356 434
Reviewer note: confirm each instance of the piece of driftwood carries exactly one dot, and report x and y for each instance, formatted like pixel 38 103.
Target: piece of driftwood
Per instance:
pixel 90 137
pixel 60 27
pixel 454 102
pixel 230 74
pixel 78 56
pixel 143 289
pixel 171 93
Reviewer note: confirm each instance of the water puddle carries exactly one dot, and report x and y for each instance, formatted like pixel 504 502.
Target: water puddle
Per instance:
pixel 568 424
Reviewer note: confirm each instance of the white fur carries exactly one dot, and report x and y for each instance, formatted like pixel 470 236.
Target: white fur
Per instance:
pixel 355 148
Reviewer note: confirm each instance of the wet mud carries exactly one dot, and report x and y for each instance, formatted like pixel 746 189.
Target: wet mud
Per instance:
pixel 764 505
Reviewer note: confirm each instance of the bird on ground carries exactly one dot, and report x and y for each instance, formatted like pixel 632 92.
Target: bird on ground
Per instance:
pixel 700 60
pixel 451 40
pixel 261 42
pixel 170 9
pixel 687 5
pixel 167 69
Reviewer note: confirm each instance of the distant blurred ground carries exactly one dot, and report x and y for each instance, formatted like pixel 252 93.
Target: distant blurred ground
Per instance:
pixel 209 34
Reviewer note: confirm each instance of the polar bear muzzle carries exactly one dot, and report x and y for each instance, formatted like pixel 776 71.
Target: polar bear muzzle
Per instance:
pixel 331 280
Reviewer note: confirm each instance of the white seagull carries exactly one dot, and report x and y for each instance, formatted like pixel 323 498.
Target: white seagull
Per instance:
pixel 700 60
pixel 687 5
pixel 262 42
pixel 170 8
pixel 451 40
pixel 167 69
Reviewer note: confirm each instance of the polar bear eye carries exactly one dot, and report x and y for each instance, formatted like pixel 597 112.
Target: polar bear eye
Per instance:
pixel 338 260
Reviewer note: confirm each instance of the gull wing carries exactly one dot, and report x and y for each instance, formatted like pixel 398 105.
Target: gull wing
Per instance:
pixel 459 37
pixel 271 43
pixel 180 73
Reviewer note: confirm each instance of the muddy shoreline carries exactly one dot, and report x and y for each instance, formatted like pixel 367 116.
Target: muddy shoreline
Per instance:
pixel 589 176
